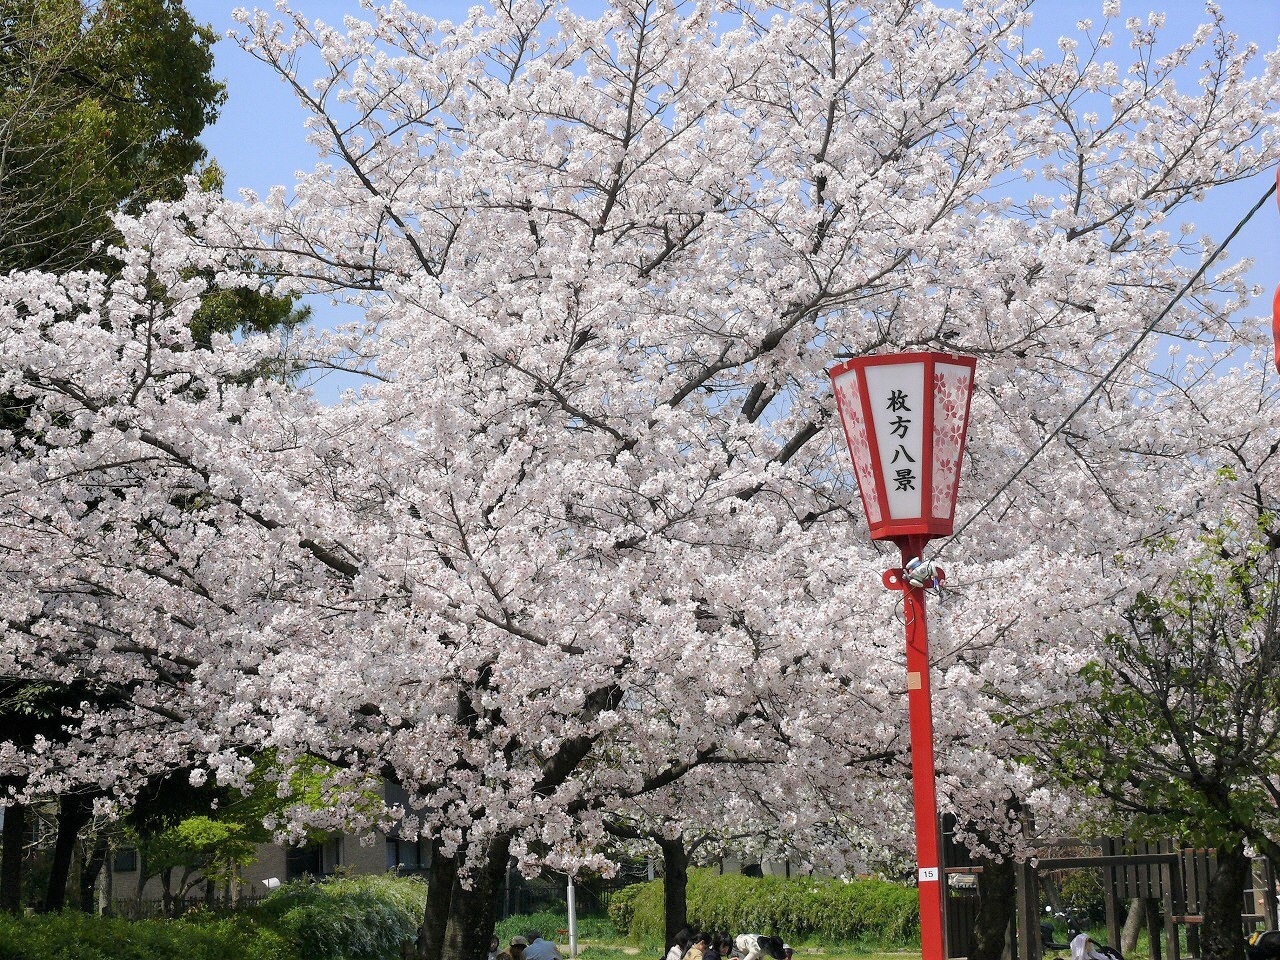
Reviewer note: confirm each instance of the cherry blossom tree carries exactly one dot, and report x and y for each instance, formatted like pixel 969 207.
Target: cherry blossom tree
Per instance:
pixel 585 536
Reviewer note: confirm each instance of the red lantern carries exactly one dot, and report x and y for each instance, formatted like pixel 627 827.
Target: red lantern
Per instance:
pixel 905 417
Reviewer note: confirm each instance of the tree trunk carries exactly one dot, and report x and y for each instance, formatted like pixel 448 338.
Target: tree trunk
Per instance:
pixel 675 887
pixel 73 814
pixel 1221 934
pixel 474 913
pixel 90 871
pixel 15 831
pixel 140 882
pixel 1049 887
pixel 107 892
pixel 166 890
pixel 444 870
pixel 1133 922
pixel 997 895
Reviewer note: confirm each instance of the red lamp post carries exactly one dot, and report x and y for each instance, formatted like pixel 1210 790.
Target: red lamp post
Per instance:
pixel 905 417
pixel 1275 299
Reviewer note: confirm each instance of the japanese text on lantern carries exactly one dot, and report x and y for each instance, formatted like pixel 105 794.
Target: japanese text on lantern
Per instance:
pixel 904 477
pixel 895 393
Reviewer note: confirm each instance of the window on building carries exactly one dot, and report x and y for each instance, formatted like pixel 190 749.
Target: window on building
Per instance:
pixel 408 856
pixel 332 856
pixel 125 860
pixel 305 861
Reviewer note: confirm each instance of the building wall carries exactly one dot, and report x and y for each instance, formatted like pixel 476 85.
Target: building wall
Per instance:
pixel 365 855
pixel 774 868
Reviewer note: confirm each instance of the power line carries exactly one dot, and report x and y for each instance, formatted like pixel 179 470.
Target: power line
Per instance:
pixel 1115 367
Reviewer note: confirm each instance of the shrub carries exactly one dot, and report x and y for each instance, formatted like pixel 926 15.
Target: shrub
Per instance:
pixel 799 909
pixel 81 936
pixel 648 923
pixel 361 918
pixel 622 906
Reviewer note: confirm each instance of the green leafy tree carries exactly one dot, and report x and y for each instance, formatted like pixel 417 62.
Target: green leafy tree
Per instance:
pixel 180 838
pixel 102 107
pixel 205 848
pixel 1178 727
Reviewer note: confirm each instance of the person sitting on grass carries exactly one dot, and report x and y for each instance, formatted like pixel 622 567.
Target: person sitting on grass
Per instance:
pixel 515 951
pixel 754 946
pixel 698 946
pixel 540 949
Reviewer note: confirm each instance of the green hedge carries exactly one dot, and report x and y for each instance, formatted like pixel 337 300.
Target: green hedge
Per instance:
pixel 622 905
pixel 361 918
pixel 800 909
pixel 80 936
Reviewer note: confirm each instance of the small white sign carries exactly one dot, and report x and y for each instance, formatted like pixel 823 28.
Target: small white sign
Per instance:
pixel 928 873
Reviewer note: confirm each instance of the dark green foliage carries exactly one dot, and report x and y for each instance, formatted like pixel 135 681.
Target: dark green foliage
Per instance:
pixel 361 918
pixel 102 109
pixel 243 309
pixel 799 909
pixel 79 936
pixel 1083 895
pixel 240 309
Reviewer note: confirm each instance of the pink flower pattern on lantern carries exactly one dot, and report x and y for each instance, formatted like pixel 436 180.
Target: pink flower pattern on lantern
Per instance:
pixel 859 446
pixel 950 394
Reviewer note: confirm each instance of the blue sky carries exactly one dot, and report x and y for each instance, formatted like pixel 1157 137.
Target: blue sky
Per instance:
pixel 260 142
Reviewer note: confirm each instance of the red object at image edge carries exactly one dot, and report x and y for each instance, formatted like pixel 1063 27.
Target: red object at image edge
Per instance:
pixel 1275 325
